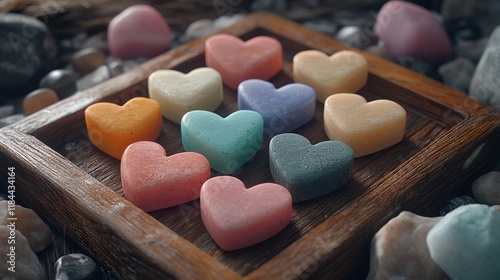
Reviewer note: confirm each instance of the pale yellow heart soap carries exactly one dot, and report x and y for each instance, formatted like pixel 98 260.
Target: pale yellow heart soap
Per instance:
pixel 367 127
pixel 344 71
pixel 178 93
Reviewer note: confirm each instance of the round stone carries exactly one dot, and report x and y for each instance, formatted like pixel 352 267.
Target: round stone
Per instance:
pixel 458 73
pixel 486 188
pixel 87 60
pixel 356 36
pixel 63 82
pixel 463 29
pixel 455 203
pixel 39 99
pixel 77 267
pixel 27 52
pixel 419 66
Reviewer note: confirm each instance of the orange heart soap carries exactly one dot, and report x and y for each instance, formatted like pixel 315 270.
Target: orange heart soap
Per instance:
pixel 152 181
pixel 112 128
pixel 237 61
pixel 344 71
pixel 367 127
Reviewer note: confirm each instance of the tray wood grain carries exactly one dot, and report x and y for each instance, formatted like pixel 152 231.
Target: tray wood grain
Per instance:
pixel 77 188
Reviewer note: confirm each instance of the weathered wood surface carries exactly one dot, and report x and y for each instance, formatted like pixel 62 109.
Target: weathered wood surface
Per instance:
pixel 77 188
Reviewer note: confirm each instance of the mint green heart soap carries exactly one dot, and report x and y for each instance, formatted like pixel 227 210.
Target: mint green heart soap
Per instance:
pixel 227 143
pixel 309 171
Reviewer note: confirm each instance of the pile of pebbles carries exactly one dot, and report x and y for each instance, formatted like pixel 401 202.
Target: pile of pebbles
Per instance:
pixel 37 69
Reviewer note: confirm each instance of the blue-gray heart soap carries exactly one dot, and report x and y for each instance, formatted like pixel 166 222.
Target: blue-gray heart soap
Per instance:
pixel 309 171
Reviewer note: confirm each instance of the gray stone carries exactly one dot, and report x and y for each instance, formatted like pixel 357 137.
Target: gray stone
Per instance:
pixel 485 84
pixel 27 265
pixel 226 21
pixel 458 73
pixel 98 76
pixel 399 249
pixel 471 50
pixel 27 52
pixel 456 202
pixel 486 188
pixel 11 120
pixel 6 111
pixel 379 51
pixel 485 12
pixel 356 36
pixel 198 29
pixel 77 267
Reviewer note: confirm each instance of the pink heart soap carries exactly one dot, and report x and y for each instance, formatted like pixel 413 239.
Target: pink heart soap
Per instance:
pixel 237 61
pixel 410 30
pixel 152 181
pixel 237 217
pixel 138 31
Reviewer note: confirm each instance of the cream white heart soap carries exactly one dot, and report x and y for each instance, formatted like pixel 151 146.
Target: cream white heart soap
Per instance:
pixel 344 71
pixel 178 93
pixel 367 127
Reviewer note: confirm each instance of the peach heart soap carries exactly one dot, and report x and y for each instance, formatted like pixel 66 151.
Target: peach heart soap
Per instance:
pixel 227 143
pixel 283 109
pixel 367 127
pixel 152 181
pixel 178 93
pixel 309 171
pixel 237 217
pixel 344 71
pixel 138 31
pixel 112 128
pixel 237 61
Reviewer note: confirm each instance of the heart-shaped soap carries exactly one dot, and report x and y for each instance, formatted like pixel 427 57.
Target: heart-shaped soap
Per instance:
pixel 227 143
pixel 344 71
pixel 367 127
pixel 236 217
pixel 138 31
pixel 179 93
pixel 237 61
pixel 152 181
pixel 112 128
pixel 309 171
pixel 283 109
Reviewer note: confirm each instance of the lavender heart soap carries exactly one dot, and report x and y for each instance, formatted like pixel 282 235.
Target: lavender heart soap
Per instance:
pixel 283 109
pixel 309 171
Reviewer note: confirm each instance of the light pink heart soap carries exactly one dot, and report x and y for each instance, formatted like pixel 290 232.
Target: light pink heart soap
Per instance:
pixel 236 217
pixel 138 31
pixel 237 61
pixel 152 181
pixel 407 29
pixel 344 71
pixel 367 127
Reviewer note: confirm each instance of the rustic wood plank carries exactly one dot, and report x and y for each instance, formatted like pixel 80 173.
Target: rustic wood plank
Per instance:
pixel 448 137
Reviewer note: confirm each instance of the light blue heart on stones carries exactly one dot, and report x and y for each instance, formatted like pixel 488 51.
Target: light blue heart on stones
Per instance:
pixel 284 109
pixel 227 143
pixel 309 171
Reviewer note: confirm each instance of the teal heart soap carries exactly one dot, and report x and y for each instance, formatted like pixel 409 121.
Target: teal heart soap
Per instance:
pixel 227 143
pixel 309 171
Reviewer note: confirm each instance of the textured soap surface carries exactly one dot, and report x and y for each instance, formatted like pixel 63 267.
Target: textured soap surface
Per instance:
pixel 283 109
pixel 367 127
pixel 237 60
pixel 152 181
pixel 344 71
pixel 112 128
pixel 466 243
pixel 309 171
pixel 138 31
pixel 178 93
pixel 399 249
pixel 237 217
pixel 227 143
pixel 407 29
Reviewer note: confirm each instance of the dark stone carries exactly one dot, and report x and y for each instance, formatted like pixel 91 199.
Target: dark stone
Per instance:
pixel 63 82
pixel 6 111
pixel 455 203
pixel 419 66
pixel 463 29
pixel 27 53
pixel 77 267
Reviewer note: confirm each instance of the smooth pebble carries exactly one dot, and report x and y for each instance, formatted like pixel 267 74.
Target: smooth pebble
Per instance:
pixel 87 60
pixel 76 266
pixel 62 81
pixel 456 202
pixel 458 73
pixel 486 188
pixel 39 99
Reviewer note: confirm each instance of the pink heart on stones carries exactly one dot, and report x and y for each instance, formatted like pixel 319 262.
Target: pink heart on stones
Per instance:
pixel 237 217
pixel 138 31
pixel 152 181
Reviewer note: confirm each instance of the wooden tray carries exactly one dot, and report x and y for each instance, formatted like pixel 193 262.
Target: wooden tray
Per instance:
pixel 77 188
